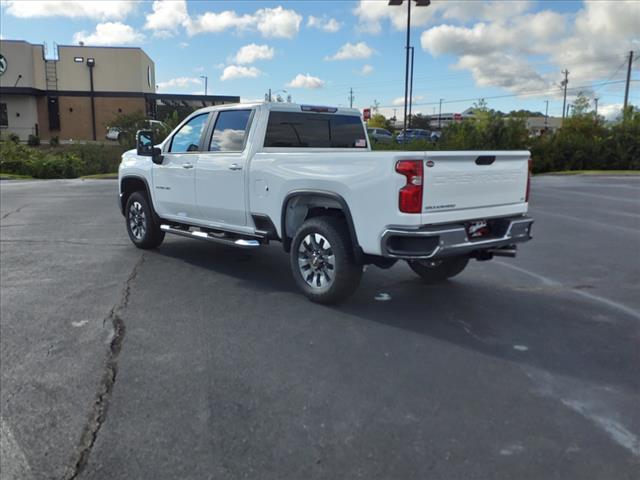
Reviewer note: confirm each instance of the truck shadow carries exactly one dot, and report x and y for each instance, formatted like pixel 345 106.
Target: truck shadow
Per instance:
pixel 546 328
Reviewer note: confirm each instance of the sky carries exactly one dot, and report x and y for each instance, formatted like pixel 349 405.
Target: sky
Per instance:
pixel 511 53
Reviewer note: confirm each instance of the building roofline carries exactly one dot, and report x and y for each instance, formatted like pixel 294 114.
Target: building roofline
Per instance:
pixel 100 46
pixel 22 41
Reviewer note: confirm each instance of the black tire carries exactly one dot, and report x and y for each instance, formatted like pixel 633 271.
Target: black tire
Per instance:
pixel 143 226
pixel 328 253
pixel 437 271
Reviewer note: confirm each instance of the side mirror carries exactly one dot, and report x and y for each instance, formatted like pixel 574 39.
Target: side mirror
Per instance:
pixel 145 147
pixel 144 143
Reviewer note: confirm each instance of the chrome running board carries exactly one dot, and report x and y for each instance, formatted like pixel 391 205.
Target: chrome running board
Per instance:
pixel 222 237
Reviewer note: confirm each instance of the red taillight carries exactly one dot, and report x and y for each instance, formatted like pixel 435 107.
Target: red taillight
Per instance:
pixel 526 196
pixel 410 196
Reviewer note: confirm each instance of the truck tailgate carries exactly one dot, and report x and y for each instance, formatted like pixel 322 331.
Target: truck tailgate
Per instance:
pixel 475 181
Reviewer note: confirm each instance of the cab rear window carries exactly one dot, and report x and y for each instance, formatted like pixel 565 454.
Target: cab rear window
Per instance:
pixel 314 130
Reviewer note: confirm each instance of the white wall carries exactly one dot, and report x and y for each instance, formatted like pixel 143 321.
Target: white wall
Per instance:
pixel 22 114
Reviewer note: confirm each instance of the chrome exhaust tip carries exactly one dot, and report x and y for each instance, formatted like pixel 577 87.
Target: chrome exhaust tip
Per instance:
pixel 503 252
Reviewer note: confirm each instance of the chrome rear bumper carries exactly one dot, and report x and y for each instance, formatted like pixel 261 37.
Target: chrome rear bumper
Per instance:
pixel 452 239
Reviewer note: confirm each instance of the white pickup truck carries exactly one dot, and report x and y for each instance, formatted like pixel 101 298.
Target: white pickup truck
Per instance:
pixel 305 175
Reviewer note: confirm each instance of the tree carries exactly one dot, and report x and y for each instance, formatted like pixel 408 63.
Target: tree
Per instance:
pixel 581 106
pixel 128 124
pixel 420 121
pixel 379 121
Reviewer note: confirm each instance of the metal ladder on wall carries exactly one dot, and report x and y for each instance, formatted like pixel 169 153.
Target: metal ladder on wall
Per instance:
pixel 51 74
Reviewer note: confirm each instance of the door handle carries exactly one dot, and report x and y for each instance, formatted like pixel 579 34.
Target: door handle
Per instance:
pixel 235 166
pixel 187 165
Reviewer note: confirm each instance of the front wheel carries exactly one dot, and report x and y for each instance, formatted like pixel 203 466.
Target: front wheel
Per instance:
pixel 322 260
pixel 142 226
pixel 436 271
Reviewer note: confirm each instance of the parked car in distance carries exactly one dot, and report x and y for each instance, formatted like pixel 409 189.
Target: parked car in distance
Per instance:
pixel 414 134
pixel 380 135
pixel 114 133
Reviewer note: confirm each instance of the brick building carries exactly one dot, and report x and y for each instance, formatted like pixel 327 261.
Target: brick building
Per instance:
pixel 76 94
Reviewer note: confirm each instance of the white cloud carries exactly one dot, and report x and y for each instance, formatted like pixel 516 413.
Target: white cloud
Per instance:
pixel 601 30
pixel 329 25
pixel 278 22
pixel 270 22
pixel 610 112
pixel 166 17
pixel 183 44
pixel 372 14
pixel 499 48
pixel 305 81
pixel 504 70
pixel 352 51
pixel 109 33
pixel 252 53
pixel 236 71
pixel 366 70
pixel 400 100
pixel 180 82
pixel 97 10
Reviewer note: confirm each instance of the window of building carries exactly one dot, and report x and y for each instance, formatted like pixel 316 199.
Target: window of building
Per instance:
pixel 4 116
pixel 187 139
pixel 230 131
pixel 314 130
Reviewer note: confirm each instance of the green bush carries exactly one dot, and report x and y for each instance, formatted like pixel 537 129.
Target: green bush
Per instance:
pixel 97 158
pixel 69 161
pixel 33 140
pixel 13 138
pixel 584 142
pixel 54 141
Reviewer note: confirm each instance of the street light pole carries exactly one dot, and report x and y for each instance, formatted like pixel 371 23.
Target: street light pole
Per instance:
pixel 419 3
pixel 410 89
pixel 406 71
pixel 440 115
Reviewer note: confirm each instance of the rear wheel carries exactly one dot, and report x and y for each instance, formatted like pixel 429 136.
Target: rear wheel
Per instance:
pixel 322 260
pixel 436 271
pixel 142 225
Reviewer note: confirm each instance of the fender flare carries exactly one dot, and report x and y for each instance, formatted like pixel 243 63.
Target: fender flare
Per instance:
pixel 286 239
pixel 147 188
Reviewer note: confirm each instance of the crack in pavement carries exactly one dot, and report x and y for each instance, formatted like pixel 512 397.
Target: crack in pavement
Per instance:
pixel 17 210
pixel 98 412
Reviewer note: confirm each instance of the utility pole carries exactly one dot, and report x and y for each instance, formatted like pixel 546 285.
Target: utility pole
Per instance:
pixel 564 84
pixel 546 115
pixel 351 98
pixel 626 88
pixel 269 96
pixel 440 115
pixel 596 100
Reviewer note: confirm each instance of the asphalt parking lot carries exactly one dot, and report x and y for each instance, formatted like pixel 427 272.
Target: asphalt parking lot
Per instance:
pixel 201 361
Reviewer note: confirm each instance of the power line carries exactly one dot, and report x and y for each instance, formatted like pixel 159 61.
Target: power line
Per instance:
pixel 521 94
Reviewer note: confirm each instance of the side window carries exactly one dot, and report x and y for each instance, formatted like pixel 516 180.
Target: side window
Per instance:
pixel 187 139
pixel 230 131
